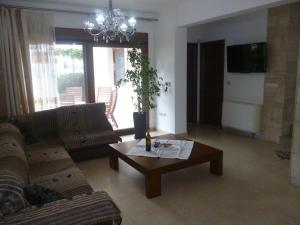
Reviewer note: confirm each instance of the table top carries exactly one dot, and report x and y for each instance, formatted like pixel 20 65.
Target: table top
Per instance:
pixel 201 153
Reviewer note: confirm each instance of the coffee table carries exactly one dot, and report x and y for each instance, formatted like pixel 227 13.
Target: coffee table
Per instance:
pixel 153 168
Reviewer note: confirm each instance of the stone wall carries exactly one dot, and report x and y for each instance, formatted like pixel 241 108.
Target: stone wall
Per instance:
pixel 279 95
pixel 295 155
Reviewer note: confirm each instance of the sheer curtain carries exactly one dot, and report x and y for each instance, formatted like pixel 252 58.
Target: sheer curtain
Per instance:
pixel 40 38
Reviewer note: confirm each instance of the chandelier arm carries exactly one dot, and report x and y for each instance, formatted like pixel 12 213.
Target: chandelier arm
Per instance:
pixel 94 34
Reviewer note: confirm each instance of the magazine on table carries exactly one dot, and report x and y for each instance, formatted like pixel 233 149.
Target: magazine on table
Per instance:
pixel 163 148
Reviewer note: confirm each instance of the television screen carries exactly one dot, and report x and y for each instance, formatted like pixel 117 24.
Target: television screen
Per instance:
pixel 248 58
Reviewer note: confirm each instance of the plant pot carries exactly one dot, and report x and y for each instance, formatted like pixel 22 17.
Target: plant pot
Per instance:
pixel 139 120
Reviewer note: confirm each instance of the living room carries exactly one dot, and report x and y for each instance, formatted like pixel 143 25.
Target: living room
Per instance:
pixel 68 158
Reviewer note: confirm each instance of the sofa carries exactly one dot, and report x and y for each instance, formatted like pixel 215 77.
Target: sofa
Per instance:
pixel 83 130
pixel 37 152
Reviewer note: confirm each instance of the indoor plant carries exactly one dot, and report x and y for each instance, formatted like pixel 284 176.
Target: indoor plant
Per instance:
pixel 146 85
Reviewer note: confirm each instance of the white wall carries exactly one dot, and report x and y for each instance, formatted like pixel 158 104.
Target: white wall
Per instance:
pixel 171 58
pixel 180 79
pixel 242 88
pixel 165 57
pixel 249 28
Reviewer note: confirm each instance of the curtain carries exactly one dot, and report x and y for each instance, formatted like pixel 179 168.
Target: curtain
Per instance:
pixel 15 65
pixel 39 36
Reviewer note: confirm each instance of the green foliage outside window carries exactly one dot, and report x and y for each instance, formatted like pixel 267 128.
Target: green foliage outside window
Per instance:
pixel 71 52
pixel 70 80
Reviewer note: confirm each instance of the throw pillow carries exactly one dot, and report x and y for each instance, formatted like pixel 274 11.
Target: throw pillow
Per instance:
pixel 38 195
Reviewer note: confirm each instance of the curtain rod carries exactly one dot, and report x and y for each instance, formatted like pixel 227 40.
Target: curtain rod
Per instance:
pixel 67 11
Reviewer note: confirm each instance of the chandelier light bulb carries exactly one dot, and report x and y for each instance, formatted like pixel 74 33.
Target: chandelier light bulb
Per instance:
pixel 117 12
pixel 89 25
pixel 123 27
pixel 100 19
pixel 132 22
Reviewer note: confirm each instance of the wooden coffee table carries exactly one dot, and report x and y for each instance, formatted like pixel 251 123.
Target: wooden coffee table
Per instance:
pixel 153 168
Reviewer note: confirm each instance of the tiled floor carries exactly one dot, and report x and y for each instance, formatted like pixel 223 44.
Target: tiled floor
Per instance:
pixel 254 189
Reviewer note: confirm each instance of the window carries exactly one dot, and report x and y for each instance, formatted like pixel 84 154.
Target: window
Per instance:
pixel 69 65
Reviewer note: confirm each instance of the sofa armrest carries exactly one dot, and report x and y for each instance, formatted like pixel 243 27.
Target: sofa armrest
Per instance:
pixel 87 209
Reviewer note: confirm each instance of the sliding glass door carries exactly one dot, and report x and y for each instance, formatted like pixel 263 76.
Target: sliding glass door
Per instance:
pixel 69 62
pixel 80 79
pixel 110 65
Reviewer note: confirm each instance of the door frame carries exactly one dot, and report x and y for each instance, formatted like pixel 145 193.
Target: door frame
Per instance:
pixel 201 79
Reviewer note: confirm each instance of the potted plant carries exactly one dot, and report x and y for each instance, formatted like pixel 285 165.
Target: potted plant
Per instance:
pixel 146 85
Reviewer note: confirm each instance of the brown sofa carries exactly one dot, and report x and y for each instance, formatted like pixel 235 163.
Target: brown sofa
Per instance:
pixel 44 160
pixel 83 130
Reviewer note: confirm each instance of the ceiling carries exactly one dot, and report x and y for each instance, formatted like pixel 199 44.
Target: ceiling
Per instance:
pixel 131 5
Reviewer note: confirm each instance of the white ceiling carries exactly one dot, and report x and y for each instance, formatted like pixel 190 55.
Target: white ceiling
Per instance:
pixel 130 5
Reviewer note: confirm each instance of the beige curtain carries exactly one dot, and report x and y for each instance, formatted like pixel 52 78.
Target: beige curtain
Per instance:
pixel 39 36
pixel 27 67
pixel 15 65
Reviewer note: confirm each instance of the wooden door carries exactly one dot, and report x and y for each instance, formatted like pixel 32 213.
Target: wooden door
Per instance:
pixel 211 82
pixel 192 61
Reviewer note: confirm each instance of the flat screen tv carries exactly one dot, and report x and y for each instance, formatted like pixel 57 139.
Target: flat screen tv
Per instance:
pixel 247 58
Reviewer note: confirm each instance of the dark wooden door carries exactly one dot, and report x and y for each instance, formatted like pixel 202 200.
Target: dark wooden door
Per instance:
pixel 211 82
pixel 192 70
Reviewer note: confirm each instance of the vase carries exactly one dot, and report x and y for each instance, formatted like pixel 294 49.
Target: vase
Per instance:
pixel 139 120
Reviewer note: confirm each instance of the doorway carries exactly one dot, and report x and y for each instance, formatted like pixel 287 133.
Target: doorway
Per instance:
pixel 211 82
pixel 192 80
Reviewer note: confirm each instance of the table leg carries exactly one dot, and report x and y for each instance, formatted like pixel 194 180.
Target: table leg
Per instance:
pixel 113 160
pixel 216 166
pixel 153 185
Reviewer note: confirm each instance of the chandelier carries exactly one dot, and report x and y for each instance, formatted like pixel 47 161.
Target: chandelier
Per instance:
pixel 111 25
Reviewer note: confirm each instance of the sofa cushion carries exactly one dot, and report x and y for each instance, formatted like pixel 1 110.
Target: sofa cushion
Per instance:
pixel 69 182
pixel 51 167
pixel 87 139
pixel 13 170
pixel 45 159
pixel 82 117
pixel 38 126
pixel 13 161
pixel 84 126
pixel 12 197
pixel 94 209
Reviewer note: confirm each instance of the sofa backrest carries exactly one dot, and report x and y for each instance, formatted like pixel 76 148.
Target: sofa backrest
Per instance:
pixel 38 126
pixel 82 117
